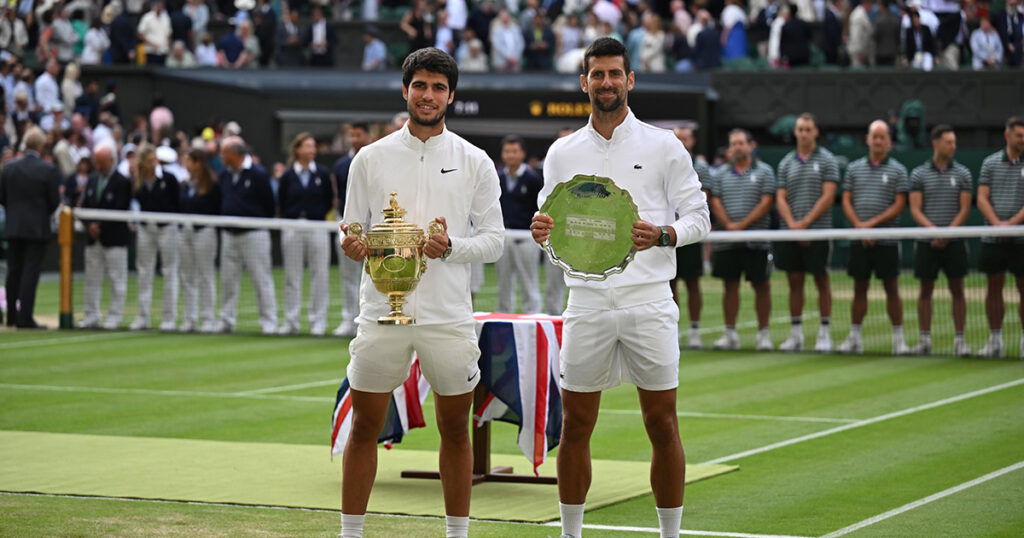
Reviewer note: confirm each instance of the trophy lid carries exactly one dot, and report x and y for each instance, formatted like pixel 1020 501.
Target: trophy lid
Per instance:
pixel 393 220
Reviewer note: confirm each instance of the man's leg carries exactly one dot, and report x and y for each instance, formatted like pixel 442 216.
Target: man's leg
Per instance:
pixel 730 309
pixel 694 299
pixel 668 461
pixel 956 291
pixel 527 269
pixel 292 250
pixel 359 465
pixel 894 307
pixel 994 307
pixel 257 261
pixel 858 310
pixel 319 268
pixel 146 239
pixel 230 278
pixel 170 259
pixel 456 455
pixel 94 268
pixel 925 307
pixel 15 264
pixel 795 342
pixel 763 302
pixel 579 416
pixel 35 251
pixel 821 281
pixel 116 261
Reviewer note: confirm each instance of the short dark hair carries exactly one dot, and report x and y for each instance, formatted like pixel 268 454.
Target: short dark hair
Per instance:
pixel 513 139
pixel 433 60
pixel 808 116
pixel 941 129
pixel 1014 121
pixel 362 125
pixel 742 131
pixel 605 46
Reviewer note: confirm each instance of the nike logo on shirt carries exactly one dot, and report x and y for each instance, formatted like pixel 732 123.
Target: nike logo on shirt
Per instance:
pixel 443 171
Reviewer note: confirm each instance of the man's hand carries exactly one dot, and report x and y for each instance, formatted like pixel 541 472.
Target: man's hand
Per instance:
pixel 868 243
pixel 645 235
pixel 541 227
pixel 437 244
pixel 94 230
pixel 352 245
pixel 940 243
pixel 734 227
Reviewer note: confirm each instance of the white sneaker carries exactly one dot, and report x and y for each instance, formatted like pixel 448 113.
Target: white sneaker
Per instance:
pixel 223 327
pixel 112 324
pixel 693 339
pixel 208 327
pixel 318 330
pixel 285 330
pixel 727 342
pixel 994 349
pixel 923 347
pixel 347 329
pixel 764 341
pixel 187 326
pixel 89 324
pixel 139 324
pixel 961 349
pixel 168 326
pixel 824 343
pixel 852 344
pixel 795 342
pixel 899 347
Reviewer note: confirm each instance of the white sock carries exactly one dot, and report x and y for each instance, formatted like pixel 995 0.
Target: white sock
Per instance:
pixel 997 334
pixel 731 333
pixel 764 331
pixel 668 520
pixel 572 519
pixel 352 525
pixel 456 526
pixel 855 331
pixel 897 332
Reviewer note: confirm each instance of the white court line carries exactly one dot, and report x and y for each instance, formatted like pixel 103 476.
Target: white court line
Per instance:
pixel 402 516
pixel 69 339
pixel 695 414
pixel 921 502
pixel 155 392
pixel 286 388
pixel 868 421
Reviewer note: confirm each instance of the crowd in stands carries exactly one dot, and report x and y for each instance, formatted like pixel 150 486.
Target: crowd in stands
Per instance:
pixel 522 35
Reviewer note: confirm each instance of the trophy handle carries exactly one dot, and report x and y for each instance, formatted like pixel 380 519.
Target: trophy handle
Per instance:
pixel 434 228
pixel 355 229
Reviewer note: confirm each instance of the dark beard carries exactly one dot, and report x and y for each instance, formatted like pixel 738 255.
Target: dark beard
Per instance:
pixel 615 104
pixel 413 116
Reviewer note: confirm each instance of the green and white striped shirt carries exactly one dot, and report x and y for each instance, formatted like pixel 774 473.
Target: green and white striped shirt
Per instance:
pixel 940 190
pixel 874 188
pixel 803 181
pixel 740 194
pixel 1005 179
pixel 703 173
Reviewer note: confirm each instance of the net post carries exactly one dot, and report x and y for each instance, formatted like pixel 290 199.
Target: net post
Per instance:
pixel 66 239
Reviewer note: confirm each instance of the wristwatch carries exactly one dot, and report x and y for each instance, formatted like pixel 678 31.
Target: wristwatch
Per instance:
pixel 665 239
pixel 448 251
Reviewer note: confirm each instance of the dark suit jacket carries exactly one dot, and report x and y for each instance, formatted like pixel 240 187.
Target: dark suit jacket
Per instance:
pixel 910 44
pixel 117 194
pixel 831 37
pixel 320 59
pixel 795 42
pixel 707 50
pixel 30 192
pixel 290 55
pixel 122 37
pixel 1010 35
pixel 340 174
pixel 519 204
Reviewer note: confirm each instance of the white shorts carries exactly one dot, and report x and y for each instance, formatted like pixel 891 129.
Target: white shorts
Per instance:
pixel 382 355
pixel 640 343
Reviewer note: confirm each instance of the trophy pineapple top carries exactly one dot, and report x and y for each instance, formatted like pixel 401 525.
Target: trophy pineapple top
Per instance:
pixel 394 212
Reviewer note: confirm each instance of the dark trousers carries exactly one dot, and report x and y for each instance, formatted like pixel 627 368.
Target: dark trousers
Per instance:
pixel 24 261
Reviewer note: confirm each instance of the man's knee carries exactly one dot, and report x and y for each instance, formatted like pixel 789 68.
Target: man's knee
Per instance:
pixel 662 427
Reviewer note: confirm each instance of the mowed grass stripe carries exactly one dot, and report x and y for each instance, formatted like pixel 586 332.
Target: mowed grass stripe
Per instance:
pixel 848 477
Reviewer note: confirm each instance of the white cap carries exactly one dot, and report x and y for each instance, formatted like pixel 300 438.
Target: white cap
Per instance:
pixel 166 155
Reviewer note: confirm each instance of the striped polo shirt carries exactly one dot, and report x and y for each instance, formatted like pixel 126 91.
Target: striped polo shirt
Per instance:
pixel 803 180
pixel 940 190
pixel 1005 179
pixel 874 188
pixel 740 193
pixel 703 173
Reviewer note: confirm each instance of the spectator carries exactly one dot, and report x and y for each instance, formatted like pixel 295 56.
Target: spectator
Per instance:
pixel 265 22
pixel 1009 23
pixel 305 193
pixel 707 50
pixel 156 190
pixel 832 31
pixel 761 23
pixel 458 14
pixel 154 31
pixel 70 87
pixel 199 245
pixel 46 90
pixel 608 12
pixel 568 35
pixel 506 44
pixel 886 35
pixel 64 157
pixel 520 186
pixel 14 36
pixel 539 43
pixel 470 54
pixel 446 39
pixel 795 42
pixel 75 183
pixel 290 51
pixel 235 50
pixel 919 44
pixel 418 25
pixel 181 27
pixel 122 38
pixel 64 37
pixel 634 33
pixel 734 31
pixel 29 192
pixel 207 54
pixel 181 57
pixel 199 12
pixel 681 18
pixel 349 270
pixel 96 44
pixel 949 35
pixel 375 52
pixel 682 54
pixel 652 51
pixel 525 15
pixel 246 192
pixel 106 250
pixel 986 46
pixel 480 20
pixel 319 38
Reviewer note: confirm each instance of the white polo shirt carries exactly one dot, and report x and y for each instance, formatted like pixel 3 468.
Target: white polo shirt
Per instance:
pixel 650 163
pixel 442 177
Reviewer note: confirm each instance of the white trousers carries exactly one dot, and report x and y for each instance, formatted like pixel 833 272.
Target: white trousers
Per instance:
pixel 251 249
pixel 349 274
pixel 554 296
pixel 112 263
pixel 150 240
pixel 519 263
pixel 310 248
pixel 199 274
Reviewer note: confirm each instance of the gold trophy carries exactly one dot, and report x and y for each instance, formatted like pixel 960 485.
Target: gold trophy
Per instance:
pixel 395 261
